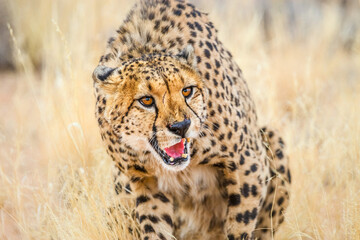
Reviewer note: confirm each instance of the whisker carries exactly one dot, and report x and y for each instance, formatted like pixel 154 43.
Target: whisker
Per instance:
pixel 206 128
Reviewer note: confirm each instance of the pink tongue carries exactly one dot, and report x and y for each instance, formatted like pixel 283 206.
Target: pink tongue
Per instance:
pixel 176 150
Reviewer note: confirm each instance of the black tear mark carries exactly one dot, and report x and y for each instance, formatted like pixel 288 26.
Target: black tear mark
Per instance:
pixel 194 112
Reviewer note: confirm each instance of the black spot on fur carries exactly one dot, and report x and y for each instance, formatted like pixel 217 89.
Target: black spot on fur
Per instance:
pixel 254 167
pixel 280 201
pixel 148 228
pixel 181 6
pixel 254 190
pixel 140 168
pixel 161 236
pixel 207 53
pixel 239 217
pixel 209 45
pixel 151 16
pixel 231 237
pixel 289 176
pixel 244 236
pixel 198 26
pixel 234 200
pixel 127 188
pixel 118 188
pixel 219 165
pixel 232 166
pixel 281 169
pixel 161 197
pixel 142 218
pixel 279 154
pixel 177 12
pixel 216 126
pixel 245 190
pixel 242 160
pixel 153 218
pixel 167 219
pixel 141 199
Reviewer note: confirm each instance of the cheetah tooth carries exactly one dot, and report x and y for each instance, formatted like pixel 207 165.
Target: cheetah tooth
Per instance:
pixel 171 159
pixel 184 155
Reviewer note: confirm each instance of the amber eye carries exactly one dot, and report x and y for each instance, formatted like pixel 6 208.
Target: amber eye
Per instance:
pixel 187 92
pixel 146 101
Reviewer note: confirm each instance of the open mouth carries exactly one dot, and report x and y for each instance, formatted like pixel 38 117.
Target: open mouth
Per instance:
pixel 175 154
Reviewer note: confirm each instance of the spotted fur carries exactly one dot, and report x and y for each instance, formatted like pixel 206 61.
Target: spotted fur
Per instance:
pixel 233 184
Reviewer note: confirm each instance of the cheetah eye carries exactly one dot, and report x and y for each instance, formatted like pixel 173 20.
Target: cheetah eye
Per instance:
pixel 186 92
pixel 146 101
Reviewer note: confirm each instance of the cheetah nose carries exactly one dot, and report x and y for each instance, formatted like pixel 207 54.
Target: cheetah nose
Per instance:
pixel 180 128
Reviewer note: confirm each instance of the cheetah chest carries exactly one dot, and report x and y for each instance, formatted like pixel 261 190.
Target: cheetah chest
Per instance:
pixel 199 204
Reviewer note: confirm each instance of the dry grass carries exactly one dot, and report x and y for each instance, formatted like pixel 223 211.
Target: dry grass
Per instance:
pixel 55 174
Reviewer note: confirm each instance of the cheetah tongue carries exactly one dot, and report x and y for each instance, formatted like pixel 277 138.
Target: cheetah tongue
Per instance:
pixel 176 150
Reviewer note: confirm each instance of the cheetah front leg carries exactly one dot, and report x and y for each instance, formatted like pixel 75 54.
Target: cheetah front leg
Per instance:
pixel 277 199
pixel 245 184
pixel 154 212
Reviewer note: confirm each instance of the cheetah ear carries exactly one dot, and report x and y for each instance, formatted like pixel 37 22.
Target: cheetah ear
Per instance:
pixel 102 73
pixel 187 55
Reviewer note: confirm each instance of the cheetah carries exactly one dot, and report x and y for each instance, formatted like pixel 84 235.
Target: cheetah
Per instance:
pixel 179 123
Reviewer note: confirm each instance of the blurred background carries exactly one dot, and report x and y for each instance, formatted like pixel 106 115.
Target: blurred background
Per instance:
pixel 301 59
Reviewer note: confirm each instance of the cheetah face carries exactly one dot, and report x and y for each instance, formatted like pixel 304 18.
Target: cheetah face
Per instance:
pixel 154 104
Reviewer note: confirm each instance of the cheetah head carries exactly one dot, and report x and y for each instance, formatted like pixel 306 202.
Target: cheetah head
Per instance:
pixel 155 103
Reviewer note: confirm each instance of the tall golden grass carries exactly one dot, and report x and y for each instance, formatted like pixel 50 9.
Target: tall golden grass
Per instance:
pixel 55 177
